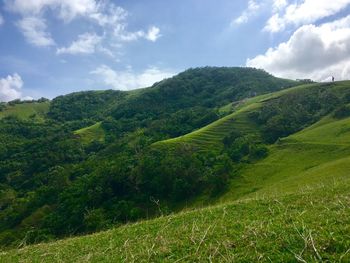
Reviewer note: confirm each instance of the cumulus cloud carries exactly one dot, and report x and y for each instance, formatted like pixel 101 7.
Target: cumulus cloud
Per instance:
pixel 153 34
pixel 10 87
pixel 278 5
pixel 86 44
pixel 35 31
pixel 128 79
pixel 121 34
pixel 300 13
pixel 67 9
pixel 252 9
pixel 315 52
pixel 111 18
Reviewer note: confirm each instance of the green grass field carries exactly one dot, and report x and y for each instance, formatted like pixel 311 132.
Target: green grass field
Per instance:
pixel 307 226
pixel 305 159
pixel 292 206
pixel 25 111
pixel 92 133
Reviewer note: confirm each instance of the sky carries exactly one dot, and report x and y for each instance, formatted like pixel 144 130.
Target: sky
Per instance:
pixel 54 47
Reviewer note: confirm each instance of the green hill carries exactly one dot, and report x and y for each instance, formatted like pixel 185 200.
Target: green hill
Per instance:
pixel 209 136
pixel 213 134
pixel 288 206
pixel 317 154
pixel 28 110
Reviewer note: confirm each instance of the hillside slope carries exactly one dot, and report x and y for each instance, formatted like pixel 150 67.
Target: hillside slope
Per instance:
pixel 82 163
pixel 91 133
pixel 26 111
pixel 307 227
pixel 290 205
pixel 213 134
pixel 319 153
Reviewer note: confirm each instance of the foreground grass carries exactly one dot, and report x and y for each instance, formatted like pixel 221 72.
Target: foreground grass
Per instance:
pixel 305 226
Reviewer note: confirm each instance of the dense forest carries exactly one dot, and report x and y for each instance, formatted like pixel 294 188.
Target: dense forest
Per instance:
pixel 54 184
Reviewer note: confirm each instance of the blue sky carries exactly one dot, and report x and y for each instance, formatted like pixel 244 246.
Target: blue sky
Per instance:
pixel 54 47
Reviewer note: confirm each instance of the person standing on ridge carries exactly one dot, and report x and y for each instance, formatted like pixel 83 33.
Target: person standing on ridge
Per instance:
pixel 332 78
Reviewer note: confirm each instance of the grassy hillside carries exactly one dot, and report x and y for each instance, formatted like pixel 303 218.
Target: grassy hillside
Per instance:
pixel 92 133
pixel 29 110
pixel 289 206
pixel 85 165
pixel 211 136
pixel 319 154
pixel 308 226
pixel 101 158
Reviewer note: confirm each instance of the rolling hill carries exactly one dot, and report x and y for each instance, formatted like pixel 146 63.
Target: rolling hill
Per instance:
pixel 291 206
pixel 274 168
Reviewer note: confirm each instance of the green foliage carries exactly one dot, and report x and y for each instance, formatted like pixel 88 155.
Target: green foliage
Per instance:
pixel 83 105
pixel 284 115
pixel 342 112
pixel 96 160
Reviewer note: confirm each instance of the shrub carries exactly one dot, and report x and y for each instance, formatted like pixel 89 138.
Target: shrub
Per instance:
pixel 342 112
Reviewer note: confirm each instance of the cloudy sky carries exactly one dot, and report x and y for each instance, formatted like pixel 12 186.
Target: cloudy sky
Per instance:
pixel 54 47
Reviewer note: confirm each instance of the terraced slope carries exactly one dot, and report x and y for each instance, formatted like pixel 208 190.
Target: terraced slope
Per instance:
pixel 30 110
pixel 211 136
pixel 316 155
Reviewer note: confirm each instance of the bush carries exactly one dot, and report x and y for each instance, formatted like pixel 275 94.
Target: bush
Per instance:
pixel 342 112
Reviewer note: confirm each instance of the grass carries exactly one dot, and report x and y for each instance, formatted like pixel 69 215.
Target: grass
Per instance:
pixel 92 133
pixel 25 111
pixel 306 226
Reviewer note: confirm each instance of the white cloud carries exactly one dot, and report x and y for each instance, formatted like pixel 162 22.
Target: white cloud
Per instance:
pixel 108 14
pixel 252 9
pixel 111 19
pixel 67 9
pixel 10 87
pixel 128 79
pixel 34 30
pixel 153 34
pixel 300 13
pixel 123 35
pixel 86 44
pixel 278 5
pixel 315 52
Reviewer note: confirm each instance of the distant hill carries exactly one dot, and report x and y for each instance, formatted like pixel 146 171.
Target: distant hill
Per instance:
pixel 27 110
pixel 207 87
